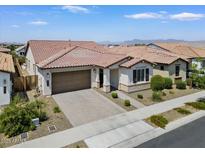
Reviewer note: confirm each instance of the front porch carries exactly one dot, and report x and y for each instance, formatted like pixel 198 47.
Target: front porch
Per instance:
pixel 105 78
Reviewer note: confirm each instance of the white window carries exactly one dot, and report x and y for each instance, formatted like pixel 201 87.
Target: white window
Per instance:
pixel 141 75
pixel 4 81
pixel 47 83
pixel 4 90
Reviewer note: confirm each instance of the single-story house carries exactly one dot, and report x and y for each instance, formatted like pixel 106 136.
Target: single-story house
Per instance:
pixel 193 54
pixel 6 69
pixel 21 50
pixel 4 50
pixel 64 66
pixel 166 64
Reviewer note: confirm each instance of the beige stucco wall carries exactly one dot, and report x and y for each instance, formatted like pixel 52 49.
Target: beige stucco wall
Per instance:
pixel 30 63
pixel 126 74
pixel 182 72
pixel 133 88
pixel 126 78
pixel 164 73
pixel 169 70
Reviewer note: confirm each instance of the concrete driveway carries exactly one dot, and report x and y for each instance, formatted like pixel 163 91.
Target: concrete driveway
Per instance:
pixel 84 106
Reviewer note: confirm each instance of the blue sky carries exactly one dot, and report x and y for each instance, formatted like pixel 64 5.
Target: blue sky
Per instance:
pixel 101 23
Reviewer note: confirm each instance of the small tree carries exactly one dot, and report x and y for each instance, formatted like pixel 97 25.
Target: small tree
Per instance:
pixel 157 83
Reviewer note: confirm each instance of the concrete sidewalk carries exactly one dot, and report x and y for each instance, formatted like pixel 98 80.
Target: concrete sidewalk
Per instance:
pixel 139 139
pixel 133 101
pixel 107 125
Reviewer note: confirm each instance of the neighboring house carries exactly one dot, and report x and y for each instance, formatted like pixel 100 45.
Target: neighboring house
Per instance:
pixel 64 66
pixel 166 64
pixel 6 69
pixel 4 50
pixel 21 50
pixel 195 55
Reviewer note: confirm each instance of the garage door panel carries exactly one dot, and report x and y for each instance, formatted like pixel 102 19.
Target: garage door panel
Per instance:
pixel 70 81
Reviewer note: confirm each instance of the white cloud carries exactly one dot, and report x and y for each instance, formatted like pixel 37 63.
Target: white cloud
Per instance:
pixel 75 9
pixel 163 12
pixel 144 16
pixel 15 26
pixel 38 22
pixel 186 16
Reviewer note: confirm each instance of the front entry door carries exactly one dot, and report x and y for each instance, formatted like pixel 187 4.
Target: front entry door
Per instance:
pixel 101 77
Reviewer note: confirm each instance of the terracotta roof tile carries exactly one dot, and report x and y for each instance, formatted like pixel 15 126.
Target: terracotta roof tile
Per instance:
pixel 2 49
pixel 183 49
pixel 56 54
pixel 6 63
pixel 42 49
pixel 150 54
pixel 85 57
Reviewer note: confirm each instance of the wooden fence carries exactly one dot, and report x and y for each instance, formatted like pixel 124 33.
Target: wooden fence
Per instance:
pixel 24 83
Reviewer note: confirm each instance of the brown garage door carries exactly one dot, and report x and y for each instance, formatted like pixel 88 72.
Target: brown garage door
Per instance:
pixel 70 81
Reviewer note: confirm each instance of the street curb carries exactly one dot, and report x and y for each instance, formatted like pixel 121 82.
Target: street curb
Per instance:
pixel 137 140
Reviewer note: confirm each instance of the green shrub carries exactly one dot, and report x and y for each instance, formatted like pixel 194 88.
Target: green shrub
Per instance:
pixel 127 102
pixel 201 99
pixel 22 60
pixel 157 83
pixel 197 105
pixel 180 85
pixel 200 82
pixel 182 111
pixel 168 83
pixel 114 95
pixel 156 96
pixel 33 127
pixel 43 116
pixel 159 120
pixel 17 99
pixel 56 109
pixel 17 118
pixel 140 96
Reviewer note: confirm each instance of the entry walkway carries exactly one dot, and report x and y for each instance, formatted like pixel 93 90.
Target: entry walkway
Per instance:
pixel 120 127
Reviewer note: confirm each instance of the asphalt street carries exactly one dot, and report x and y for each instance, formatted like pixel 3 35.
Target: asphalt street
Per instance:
pixel 191 135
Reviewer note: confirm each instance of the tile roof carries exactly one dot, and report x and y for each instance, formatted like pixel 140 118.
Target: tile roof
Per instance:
pixel 58 54
pixel 183 49
pixel 42 49
pixel 150 54
pixel 2 49
pixel 134 61
pixel 6 63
